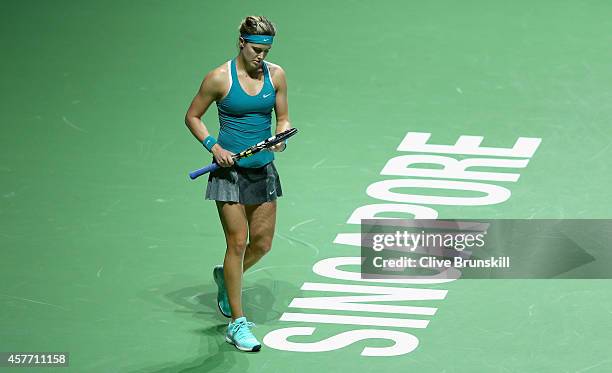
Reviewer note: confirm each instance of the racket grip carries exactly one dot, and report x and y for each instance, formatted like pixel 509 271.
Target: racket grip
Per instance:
pixel 197 173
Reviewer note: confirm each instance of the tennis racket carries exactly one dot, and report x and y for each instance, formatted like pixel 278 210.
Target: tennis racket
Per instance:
pixel 266 144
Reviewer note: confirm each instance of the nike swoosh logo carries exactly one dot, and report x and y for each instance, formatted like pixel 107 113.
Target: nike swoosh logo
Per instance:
pixel 264 96
pixel 272 192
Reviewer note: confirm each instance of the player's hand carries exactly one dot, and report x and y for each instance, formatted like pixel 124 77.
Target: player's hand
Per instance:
pixel 278 147
pixel 222 156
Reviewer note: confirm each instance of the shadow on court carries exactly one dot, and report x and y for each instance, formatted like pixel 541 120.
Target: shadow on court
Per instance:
pixel 260 304
pixel 215 355
pixel 258 301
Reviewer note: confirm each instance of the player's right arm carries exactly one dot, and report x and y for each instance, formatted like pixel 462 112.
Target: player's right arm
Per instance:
pixel 213 87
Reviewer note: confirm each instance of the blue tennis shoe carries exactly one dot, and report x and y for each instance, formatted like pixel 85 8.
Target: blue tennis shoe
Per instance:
pixel 222 301
pixel 239 334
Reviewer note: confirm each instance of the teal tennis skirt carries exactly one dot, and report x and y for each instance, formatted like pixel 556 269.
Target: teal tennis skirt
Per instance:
pixel 247 186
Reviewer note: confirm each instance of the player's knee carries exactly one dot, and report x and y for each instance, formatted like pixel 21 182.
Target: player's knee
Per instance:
pixel 261 247
pixel 236 246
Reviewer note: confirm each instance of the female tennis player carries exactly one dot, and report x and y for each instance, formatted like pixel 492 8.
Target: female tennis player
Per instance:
pixel 246 89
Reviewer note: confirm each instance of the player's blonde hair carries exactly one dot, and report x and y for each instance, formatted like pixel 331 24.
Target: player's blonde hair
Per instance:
pixel 257 25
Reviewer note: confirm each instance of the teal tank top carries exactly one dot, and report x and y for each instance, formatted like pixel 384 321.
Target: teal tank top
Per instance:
pixel 245 120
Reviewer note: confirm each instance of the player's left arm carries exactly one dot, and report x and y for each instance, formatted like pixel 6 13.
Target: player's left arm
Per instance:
pixel 281 106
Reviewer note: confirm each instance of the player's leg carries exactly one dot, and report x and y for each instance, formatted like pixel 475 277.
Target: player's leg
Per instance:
pixel 234 221
pixel 262 221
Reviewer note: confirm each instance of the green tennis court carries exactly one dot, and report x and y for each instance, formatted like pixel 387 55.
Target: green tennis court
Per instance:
pixel 108 247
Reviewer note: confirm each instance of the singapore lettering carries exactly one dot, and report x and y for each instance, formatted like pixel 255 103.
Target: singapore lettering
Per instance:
pixel 365 294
